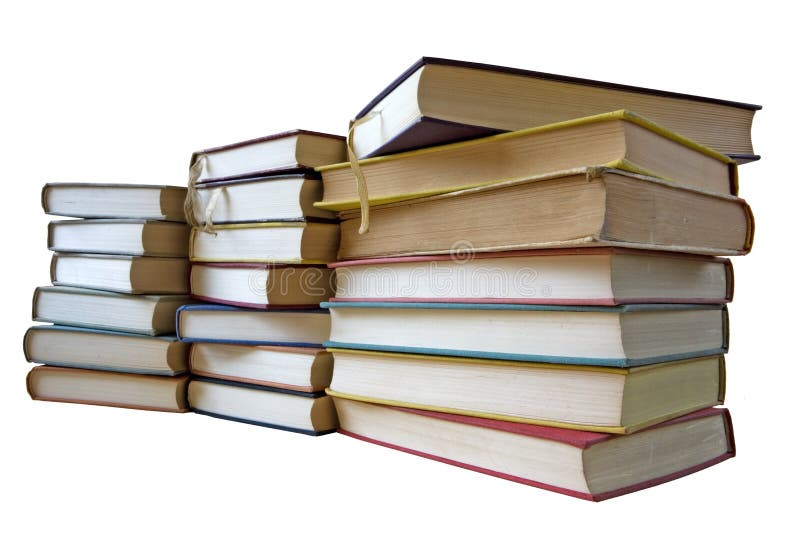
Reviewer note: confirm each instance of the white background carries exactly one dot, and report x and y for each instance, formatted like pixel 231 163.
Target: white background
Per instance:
pixel 91 92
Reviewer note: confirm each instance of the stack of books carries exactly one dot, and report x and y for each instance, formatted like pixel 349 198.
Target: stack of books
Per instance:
pixel 546 305
pixel 119 273
pixel 259 250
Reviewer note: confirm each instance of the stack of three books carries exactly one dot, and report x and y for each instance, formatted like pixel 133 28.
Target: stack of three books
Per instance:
pixel 545 305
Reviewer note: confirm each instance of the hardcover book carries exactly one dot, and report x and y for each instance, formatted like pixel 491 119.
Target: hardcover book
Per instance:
pixel 124 274
pixel 283 197
pixel 282 409
pixel 587 465
pixel 620 139
pixel 577 276
pixel 212 323
pixel 311 243
pixel 119 236
pixel 300 369
pixel 114 201
pixel 138 314
pixel 104 388
pixel 107 350
pixel 439 101
pixel 591 207
pixel 619 336
pixel 262 285
pixel 600 399
pixel 273 154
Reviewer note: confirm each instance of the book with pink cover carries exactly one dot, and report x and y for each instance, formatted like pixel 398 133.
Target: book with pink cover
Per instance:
pixel 586 465
pixel 569 276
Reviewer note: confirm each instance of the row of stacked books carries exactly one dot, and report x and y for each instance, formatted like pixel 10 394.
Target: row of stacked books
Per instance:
pixel 119 272
pixel 546 305
pixel 259 250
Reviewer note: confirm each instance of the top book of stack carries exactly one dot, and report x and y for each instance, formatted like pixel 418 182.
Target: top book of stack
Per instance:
pixel 439 101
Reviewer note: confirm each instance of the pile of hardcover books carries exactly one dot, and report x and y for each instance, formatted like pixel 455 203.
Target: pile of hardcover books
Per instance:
pixel 118 275
pixel 545 305
pixel 259 249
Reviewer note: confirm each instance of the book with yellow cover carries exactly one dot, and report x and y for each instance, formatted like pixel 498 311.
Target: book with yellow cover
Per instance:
pixel 598 399
pixel 620 139
pixel 267 242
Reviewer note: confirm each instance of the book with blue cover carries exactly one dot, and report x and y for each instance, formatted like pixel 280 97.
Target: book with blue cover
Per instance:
pixel 309 413
pixel 212 323
pixel 618 336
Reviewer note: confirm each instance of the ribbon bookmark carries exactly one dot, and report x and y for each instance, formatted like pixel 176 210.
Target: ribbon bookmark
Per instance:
pixel 361 181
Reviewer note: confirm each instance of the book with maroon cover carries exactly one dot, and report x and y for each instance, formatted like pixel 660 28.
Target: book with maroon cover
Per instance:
pixel 587 465
pixel 293 150
pixel 439 101
pixel 571 276
pixel 262 285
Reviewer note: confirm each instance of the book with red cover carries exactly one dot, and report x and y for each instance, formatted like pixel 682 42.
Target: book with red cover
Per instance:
pixel 586 465
pixel 567 276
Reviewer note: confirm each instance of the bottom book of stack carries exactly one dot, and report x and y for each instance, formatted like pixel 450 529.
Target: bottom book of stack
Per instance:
pixel 588 465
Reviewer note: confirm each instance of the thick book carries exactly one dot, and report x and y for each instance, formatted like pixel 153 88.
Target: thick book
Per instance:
pixel 212 323
pixel 262 285
pixel 589 207
pixel 620 139
pixel 587 465
pixel 124 274
pixel 620 336
pixel 119 236
pixel 282 409
pixel 107 350
pixel 114 201
pixel 600 399
pixel 577 276
pixel 273 154
pixel 297 368
pixel 105 388
pixel 439 101
pixel 283 197
pixel 138 314
pixel 275 242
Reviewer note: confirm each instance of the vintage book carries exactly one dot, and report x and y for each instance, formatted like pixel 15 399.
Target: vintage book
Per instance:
pixel 587 465
pixel 288 242
pixel 439 101
pixel 619 336
pixel 107 350
pixel 618 139
pixel 301 369
pixel 212 323
pixel 284 197
pixel 138 314
pixel 114 201
pixel 260 285
pixel 124 274
pixel 577 276
pixel 119 236
pixel 273 154
pixel 105 388
pixel 283 409
pixel 600 399
pixel 588 207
